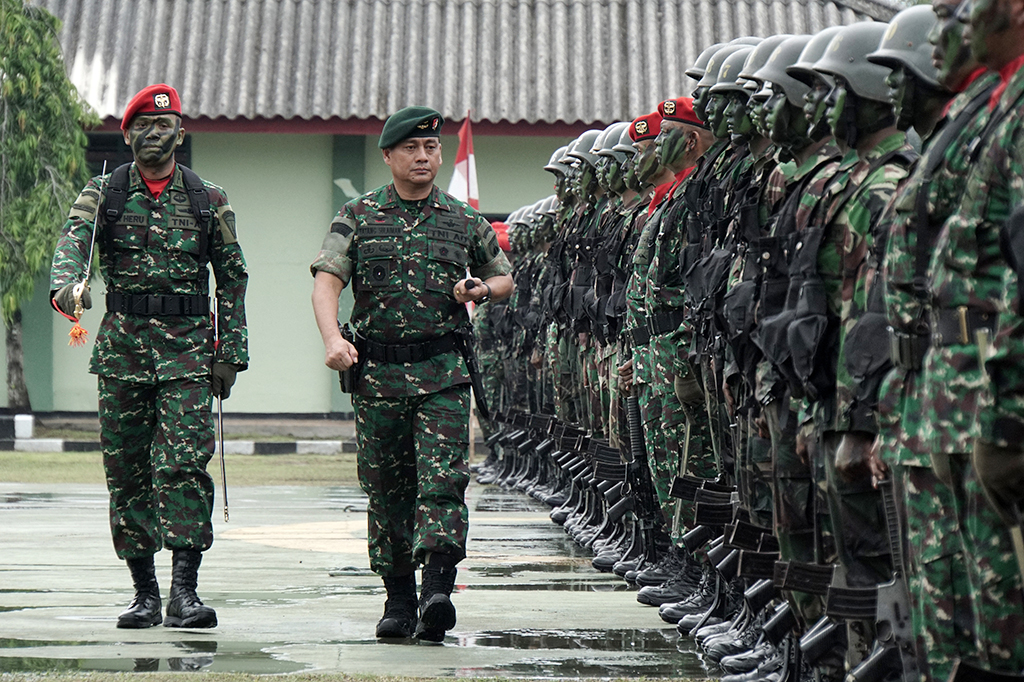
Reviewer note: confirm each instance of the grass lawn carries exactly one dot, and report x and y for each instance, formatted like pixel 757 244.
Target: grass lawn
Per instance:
pixel 242 470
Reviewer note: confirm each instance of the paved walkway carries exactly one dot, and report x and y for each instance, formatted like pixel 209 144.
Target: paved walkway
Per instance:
pixel 289 579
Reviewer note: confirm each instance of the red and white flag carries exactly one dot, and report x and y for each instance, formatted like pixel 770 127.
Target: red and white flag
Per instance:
pixel 463 185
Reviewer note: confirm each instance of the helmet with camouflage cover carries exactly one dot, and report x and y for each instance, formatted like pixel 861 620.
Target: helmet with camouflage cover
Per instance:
pixel 906 44
pixel 846 58
pixel 803 69
pixel 774 69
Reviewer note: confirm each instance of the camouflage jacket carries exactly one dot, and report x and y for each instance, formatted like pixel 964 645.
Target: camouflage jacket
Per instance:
pixel 973 270
pixel 909 410
pixel 403 268
pixel 156 250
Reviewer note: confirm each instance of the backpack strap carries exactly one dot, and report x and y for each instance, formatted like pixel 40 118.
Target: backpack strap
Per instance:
pixel 116 195
pixel 199 200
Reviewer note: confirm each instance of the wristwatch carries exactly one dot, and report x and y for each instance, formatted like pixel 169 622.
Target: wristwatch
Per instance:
pixel 486 297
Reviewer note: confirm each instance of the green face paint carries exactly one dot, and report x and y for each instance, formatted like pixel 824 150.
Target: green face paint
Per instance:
pixel 901 94
pixel 153 139
pixel 717 121
pixel 670 145
pixel 988 19
pixel 737 115
pixel 951 51
pixel 647 164
pixel 700 102
pixel 836 109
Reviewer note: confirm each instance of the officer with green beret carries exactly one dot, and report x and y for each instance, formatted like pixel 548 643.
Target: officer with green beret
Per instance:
pixel 405 248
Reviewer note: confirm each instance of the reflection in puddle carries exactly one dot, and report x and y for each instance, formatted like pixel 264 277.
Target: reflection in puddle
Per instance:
pixel 614 653
pixel 189 656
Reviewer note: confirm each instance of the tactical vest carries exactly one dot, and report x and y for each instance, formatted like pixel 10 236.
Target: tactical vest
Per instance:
pixel 116 197
pixel 814 330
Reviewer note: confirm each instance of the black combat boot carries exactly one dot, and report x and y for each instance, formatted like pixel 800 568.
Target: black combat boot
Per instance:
pixel 399 619
pixel 144 611
pixel 437 613
pixel 184 610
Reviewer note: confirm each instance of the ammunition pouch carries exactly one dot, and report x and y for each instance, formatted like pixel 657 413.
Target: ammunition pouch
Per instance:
pixel 908 350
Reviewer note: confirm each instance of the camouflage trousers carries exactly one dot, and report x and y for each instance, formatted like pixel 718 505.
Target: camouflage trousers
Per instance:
pixel 157 440
pixel 997 601
pixel 412 464
pixel 687 434
pixel 937 574
pixel 794 499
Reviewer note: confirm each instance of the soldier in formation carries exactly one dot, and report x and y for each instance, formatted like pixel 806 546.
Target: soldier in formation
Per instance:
pixel 764 359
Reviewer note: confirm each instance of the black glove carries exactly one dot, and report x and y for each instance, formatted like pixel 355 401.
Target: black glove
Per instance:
pixel 223 378
pixel 64 298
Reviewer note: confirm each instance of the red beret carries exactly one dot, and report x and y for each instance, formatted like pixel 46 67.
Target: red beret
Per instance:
pixel 501 230
pixel 680 109
pixel 646 127
pixel 153 99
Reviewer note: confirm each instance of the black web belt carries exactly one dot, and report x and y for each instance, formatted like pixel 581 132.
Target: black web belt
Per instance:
pixel 958 325
pixel 158 305
pixel 401 353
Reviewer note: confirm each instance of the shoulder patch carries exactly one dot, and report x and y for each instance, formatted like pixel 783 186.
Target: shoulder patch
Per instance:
pixel 226 219
pixel 342 225
pixel 85 205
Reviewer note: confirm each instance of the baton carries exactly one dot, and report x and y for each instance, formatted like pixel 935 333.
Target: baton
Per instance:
pixel 220 409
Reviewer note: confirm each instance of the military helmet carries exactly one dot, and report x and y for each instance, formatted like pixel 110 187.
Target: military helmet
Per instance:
pixel 625 143
pixel 555 164
pixel 696 72
pixel 711 69
pixel 803 69
pixel 760 54
pixel 728 79
pixel 581 146
pixel 718 61
pixel 906 44
pixel 610 140
pixel 774 70
pixel 548 205
pixel 845 57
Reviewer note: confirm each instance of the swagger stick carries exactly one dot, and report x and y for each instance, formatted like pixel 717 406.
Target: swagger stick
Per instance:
pixel 77 332
pixel 220 408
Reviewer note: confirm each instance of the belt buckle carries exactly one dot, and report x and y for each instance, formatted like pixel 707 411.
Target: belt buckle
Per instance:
pixel 962 313
pixel 402 354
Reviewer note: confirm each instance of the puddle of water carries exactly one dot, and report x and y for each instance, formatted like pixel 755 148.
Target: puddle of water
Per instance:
pixel 556 586
pixel 647 653
pixel 198 655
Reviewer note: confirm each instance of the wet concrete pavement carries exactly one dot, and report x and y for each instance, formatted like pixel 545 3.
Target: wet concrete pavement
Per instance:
pixel 289 579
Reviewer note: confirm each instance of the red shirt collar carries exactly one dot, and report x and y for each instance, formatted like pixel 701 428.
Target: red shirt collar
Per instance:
pixel 1005 74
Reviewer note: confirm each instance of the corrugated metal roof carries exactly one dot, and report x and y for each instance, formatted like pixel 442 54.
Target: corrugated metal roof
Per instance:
pixel 506 60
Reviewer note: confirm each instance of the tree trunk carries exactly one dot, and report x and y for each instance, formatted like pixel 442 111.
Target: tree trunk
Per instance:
pixel 17 391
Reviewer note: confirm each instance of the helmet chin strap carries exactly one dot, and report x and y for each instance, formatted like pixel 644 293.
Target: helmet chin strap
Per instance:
pixel 865 116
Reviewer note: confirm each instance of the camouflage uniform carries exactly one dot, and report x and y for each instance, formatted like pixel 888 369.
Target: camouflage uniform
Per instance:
pixel 968 280
pixel 154 371
pixel 937 571
pixel 404 258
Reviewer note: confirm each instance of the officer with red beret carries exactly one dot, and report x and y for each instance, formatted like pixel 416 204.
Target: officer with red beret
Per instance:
pixel 157 227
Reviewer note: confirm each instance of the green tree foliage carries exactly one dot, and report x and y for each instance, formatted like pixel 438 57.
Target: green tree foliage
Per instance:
pixel 42 148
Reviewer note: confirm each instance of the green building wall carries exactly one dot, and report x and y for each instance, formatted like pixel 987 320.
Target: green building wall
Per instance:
pixel 285 189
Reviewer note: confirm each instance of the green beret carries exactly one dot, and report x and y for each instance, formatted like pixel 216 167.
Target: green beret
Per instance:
pixel 410 122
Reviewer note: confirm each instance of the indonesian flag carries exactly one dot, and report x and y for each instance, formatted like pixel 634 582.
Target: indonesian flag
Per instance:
pixel 463 185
